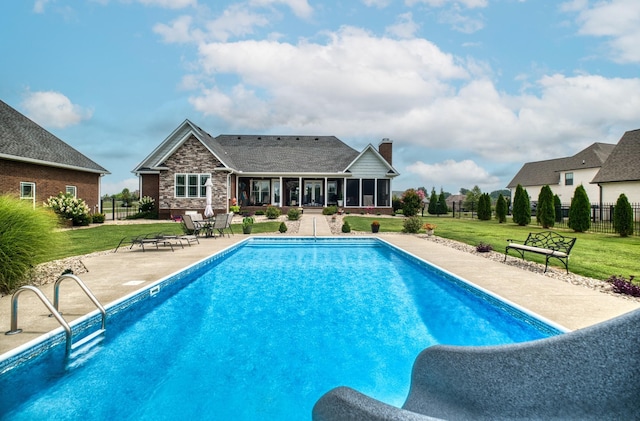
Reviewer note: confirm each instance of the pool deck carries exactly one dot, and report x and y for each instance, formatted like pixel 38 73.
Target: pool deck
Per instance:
pixel 115 275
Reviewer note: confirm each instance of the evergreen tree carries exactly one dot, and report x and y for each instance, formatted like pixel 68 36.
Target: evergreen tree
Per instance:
pixel 521 207
pixel 546 215
pixel 442 209
pixel 557 205
pixel 623 217
pixel 411 203
pixel 484 207
pixel 580 211
pixel 433 202
pixel 501 209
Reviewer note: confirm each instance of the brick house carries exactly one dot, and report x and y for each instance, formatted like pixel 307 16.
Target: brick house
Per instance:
pixel 259 170
pixel 35 164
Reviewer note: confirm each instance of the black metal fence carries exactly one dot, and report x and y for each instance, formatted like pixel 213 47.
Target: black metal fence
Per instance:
pixel 601 216
pixel 117 209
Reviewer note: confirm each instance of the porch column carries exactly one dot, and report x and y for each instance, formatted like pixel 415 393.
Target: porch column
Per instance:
pixel 324 191
pixel 300 192
pixel 281 192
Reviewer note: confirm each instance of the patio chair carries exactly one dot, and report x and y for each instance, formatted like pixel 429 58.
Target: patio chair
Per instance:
pixel 228 224
pixel 191 227
pixel 219 224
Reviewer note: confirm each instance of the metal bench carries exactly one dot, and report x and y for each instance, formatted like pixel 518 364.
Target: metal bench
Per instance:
pixel 548 243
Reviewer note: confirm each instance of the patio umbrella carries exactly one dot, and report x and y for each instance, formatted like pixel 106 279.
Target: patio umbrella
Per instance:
pixel 208 210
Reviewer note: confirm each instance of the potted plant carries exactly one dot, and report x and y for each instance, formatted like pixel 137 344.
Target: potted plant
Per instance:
pixel 247 224
pixel 430 228
pixel 340 200
pixel 375 226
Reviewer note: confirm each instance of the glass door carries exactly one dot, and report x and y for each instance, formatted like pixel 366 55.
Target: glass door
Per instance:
pixel 313 193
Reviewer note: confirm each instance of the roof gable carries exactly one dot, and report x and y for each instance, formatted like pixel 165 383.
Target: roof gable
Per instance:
pixel 21 139
pixel 368 154
pixel 622 163
pixel 547 172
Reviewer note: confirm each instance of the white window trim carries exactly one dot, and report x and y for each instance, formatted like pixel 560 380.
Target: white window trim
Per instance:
pixel 74 190
pixel 200 189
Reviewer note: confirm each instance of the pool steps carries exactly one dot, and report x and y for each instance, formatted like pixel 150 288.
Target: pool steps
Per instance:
pixel 96 336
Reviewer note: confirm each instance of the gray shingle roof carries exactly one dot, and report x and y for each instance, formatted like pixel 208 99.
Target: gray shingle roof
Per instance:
pixel 541 173
pixel 22 139
pixel 283 154
pixel 622 163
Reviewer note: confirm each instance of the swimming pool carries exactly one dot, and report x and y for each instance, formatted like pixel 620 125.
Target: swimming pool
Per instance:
pixel 261 331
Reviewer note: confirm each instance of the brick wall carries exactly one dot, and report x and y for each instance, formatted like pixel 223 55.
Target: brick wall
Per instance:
pixel 49 181
pixel 191 158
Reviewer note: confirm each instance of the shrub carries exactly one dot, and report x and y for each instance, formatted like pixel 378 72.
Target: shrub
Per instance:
pixel 283 227
pixel 521 207
pixel 396 204
pixel 442 208
pixel 330 210
pixel 557 205
pixel 98 218
pixel 235 209
pixel 623 217
pixel 501 209
pixel 293 214
pixel 624 286
pixel 146 204
pixel 484 207
pixel 25 236
pixel 412 225
pixel 69 207
pixel 272 212
pixel 258 212
pixel 433 203
pixel 411 203
pixel 346 228
pixel 545 213
pixel 484 248
pixel 580 211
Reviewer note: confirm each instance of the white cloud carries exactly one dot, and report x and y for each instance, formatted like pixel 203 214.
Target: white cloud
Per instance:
pixel 617 20
pixel 300 8
pixel 470 4
pixel 170 4
pixel 179 31
pixel 39 5
pixel 404 27
pixel 456 173
pixel 235 21
pixel 53 109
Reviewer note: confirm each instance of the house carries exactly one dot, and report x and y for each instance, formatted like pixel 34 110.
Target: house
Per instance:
pixel 261 170
pixel 563 175
pixel 35 164
pixel 620 173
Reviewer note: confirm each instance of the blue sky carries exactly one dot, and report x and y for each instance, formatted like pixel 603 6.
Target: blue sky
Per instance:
pixel 467 90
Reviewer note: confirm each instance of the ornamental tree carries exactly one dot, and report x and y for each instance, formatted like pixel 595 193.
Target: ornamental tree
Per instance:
pixel 521 207
pixel 501 209
pixel 545 214
pixel 580 211
pixel 623 217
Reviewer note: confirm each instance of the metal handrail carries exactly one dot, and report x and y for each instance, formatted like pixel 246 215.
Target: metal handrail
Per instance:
pixel 14 312
pixel 56 295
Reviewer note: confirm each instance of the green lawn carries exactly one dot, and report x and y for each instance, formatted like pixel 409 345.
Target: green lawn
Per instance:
pixel 595 255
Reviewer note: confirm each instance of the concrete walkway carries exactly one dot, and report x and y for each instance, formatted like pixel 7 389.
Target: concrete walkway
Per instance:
pixel 114 275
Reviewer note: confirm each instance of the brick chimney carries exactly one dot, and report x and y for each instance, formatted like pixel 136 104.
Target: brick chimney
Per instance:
pixel 386 150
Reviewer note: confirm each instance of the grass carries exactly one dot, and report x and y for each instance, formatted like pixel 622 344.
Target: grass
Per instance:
pixel 596 256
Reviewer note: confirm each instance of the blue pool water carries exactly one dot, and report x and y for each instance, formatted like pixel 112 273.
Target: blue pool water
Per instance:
pixel 263 332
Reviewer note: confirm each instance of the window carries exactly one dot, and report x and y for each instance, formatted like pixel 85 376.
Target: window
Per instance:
pixel 568 179
pixel 72 190
pixel 353 192
pixel 191 185
pixel 383 192
pixel 260 192
pixel 368 192
pixel 28 191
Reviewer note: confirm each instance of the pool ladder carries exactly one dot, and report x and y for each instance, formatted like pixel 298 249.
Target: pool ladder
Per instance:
pixel 53 308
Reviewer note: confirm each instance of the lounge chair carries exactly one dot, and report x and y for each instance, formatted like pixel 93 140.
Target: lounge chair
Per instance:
pixel 156 239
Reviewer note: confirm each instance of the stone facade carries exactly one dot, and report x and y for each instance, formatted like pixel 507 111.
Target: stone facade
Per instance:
pixel 49 181
pixel 191 158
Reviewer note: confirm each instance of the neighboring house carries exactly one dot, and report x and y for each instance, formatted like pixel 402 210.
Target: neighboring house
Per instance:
pixel 620 173
pixel 35 164
pixel 563 175
pixel 284 171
